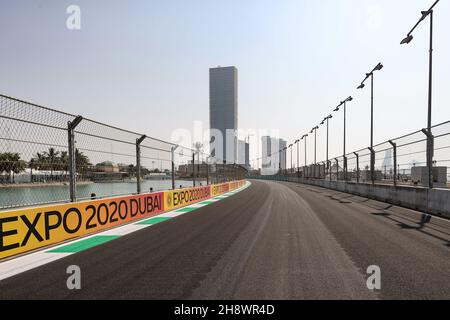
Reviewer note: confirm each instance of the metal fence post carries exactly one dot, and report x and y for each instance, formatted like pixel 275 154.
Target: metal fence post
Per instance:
pixel 138 163
pixel 329 170
pixel 394 146
pixel 72 157
pixel 430 155
pixel 198 166
pixel 345 168
pixel 357 166
pixel 337 169
pixel 372 164
pixel 193 168
pixel 173 165
pixel 207 171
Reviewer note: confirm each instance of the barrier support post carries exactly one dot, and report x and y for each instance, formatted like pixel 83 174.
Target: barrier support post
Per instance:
pixel 372 164
pixel 71 125
pixel 337 169
pixel 193 168
pixel 357 167
pixel 430 155
pixel 329 170
pixel 207 171
pixel 138 162
pixel 394 147
pixel 345 168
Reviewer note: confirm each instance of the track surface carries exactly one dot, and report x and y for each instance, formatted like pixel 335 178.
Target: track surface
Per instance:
pixel 271 241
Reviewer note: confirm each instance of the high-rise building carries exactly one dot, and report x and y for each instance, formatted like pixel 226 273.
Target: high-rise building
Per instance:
pixel 274 157
pixel 266 145
pixel 243 156
pixel 241 152
pixel 223 112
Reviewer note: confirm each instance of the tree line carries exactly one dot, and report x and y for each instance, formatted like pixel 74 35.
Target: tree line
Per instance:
pixel 50 160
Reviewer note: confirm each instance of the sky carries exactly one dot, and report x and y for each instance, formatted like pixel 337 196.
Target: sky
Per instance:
pixel 143 65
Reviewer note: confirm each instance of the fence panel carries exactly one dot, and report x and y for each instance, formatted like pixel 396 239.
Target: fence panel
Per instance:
pixel 36 145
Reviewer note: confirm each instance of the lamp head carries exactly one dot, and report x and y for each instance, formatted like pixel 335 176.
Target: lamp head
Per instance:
pixel 407 40
pixel 424 15
pixel 336 110
pixel 378 67
pixel 349 99
pixel 361 86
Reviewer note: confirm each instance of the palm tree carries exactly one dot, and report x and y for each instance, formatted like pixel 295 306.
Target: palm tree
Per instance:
pixel 52 158
pixel 37 162
pixel 11 163
pixel 64 160
pixel 81 159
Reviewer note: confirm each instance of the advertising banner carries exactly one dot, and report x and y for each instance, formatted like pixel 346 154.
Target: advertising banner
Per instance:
pixel 182 197
pixel 27 229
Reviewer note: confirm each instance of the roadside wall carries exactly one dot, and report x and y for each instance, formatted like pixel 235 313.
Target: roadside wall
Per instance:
pixel 434 201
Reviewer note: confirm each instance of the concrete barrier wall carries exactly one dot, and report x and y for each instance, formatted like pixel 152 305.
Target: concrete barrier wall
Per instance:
pixel 434 201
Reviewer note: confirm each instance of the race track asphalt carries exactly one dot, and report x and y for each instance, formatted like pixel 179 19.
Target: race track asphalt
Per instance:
pixel 271 241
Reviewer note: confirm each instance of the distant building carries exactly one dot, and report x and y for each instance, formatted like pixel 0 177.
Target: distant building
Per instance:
pixel 243 156
pixel 223 112
pixel 201 170
pixel 273 158
pixel 388 161
pixel 107 166
pixel 108 171
pixel 266 152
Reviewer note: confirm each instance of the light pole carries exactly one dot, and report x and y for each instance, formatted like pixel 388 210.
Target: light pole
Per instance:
pixel 429 134
pixel 279 161
pixel 361 86
pixel 292 167
pixel 344 103
pixel 285 160
pixel 327 119
pixel 304 138
pixel 315 143
pixel 298 156
pixel 315 148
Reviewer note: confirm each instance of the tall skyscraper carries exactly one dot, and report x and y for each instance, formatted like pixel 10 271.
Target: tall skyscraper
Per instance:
pixel 266 152
pixel 223 112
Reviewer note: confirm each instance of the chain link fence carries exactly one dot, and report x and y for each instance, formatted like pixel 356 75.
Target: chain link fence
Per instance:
pixel 49 156
pixel 400 161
